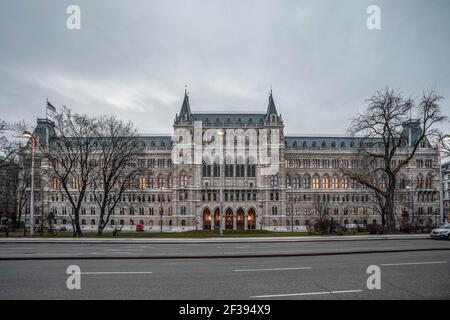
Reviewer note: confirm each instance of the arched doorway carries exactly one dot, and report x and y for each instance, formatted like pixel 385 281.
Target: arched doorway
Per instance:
pixel 251 219
pixel 240 219
pixel 216 219
pixel 206 219
pixel 229 219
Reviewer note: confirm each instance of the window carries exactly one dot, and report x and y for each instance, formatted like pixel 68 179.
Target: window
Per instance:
pixel 419 182
pixel 306 182
pixel 296 183
pixel 142 183
pixel 316 182
pixel 183 181
pixel 274 181
pixel 326 182
pixel 183 223
pixel 229 170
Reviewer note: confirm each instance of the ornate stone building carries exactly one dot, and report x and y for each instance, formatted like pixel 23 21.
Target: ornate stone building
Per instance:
pixel 184 195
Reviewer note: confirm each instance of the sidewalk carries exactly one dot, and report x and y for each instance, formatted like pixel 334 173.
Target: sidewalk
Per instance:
pixel 217 240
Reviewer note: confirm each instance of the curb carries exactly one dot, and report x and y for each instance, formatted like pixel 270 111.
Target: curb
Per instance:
pixel 213 240
pixel 222 256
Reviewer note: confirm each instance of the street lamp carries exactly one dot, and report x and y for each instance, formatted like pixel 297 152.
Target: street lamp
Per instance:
pixel 161 210
pixel 292 207
pixel 221 134
pixel 411 188
pixel 441 187
pixel 30 136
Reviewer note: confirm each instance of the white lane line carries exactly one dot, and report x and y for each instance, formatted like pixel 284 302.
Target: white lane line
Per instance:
pixel 273 269
pixel 412 263
pixel 116 272
pixel 304 294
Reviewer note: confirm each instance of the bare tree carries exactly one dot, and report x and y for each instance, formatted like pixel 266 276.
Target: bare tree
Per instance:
pixel 118 149
pixel 71 158
pixel 10 142
pixel 387 146
pixel 321 208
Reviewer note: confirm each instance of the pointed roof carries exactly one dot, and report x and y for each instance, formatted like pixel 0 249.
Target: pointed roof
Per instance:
pixel 186 107
pixel 271 109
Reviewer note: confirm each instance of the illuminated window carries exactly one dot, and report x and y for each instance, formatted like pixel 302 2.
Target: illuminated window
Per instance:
pixel 142 183
pixel 326 182
pixel 316 182
pixel 344 183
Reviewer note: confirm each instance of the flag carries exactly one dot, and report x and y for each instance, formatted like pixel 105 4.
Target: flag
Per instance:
pixel 52 110
pixel 50 107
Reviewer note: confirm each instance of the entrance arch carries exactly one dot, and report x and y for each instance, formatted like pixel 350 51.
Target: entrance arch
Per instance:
pixel 229 219
pixel 251 219
pixel 216 219
pixel 240 219
pixel 206 219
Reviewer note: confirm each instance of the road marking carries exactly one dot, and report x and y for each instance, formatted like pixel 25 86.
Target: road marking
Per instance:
pixel 273 269
pixel 117 272
pixel 412 263
pixel 305 294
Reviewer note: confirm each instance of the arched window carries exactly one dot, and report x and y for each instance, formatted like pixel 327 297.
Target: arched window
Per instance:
pixel 419 182
pixel 344 183
pixel 326 182
pixel 428 182
pixel 83 222
pixel 121 222
pixel 288 182
pixel 183 181
pixel 307 182
pixel 274 223
pixel 112 222
pixel 296 183
pixel 183 223
pixel 316 182
pixel 92 222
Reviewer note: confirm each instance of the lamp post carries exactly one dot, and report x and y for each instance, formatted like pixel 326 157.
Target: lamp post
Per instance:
pixel 31 137
pixel 292 207
pixel 161 207
pixel 411 188
pixel 221 134
pixel 441 187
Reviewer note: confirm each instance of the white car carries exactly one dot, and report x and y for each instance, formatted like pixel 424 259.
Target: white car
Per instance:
pixel 443 232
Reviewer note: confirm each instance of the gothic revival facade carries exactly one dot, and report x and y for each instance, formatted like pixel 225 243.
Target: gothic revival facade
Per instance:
pixel 185 195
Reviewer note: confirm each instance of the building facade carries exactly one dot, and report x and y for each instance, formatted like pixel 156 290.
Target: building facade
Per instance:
pixel 180 195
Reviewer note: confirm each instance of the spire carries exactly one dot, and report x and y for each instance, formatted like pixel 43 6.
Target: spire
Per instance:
pixel 271 109
pixel 185 112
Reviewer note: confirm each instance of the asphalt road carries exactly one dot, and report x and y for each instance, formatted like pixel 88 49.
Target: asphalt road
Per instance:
pixel 405 275
pixel 102 250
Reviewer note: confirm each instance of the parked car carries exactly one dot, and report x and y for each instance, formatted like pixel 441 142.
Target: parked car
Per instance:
pixel 443 232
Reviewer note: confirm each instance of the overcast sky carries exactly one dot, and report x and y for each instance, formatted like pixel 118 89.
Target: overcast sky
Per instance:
pixel 133 58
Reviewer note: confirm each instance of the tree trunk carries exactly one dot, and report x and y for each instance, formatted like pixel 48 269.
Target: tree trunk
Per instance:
pixel 101 224
pixel 389 212
pixel 77 231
